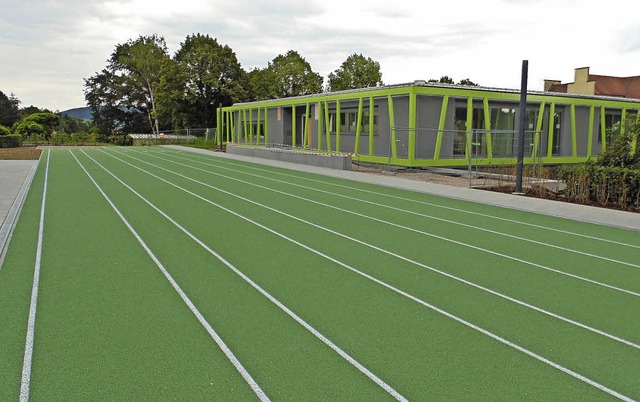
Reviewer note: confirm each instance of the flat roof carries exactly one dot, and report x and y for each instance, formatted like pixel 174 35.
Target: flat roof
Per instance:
pixel 422 83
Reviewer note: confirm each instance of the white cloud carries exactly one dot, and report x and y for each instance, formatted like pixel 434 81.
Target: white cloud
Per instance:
pixel 52 45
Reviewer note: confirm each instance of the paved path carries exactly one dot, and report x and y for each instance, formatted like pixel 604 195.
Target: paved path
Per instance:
pixel 602 216
pixel 15 178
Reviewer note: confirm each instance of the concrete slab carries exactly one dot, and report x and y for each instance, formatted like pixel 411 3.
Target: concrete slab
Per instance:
pixel 15 179
pixel 601 216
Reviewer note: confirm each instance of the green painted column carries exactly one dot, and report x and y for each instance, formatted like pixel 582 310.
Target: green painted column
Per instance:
pixel 356 148
pixel 487 127
pixel 574 137
pixel 266 126
pixel 371 128
pixel 338 125
pixel 293 126
pixel 552 111
pixel 305 133
pixel 392 126
pixel 319 118
pixel 441 125
pixel 590 134
pixel 327 125
pixel 603 129
pixel 413 112
pixel 536 144
pixel 469 128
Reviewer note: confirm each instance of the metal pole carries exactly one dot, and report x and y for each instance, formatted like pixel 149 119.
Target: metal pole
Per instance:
pixel 523 122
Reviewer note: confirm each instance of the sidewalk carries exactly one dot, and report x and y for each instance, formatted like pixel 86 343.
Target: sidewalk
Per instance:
pixel 15 179
pixel 601 216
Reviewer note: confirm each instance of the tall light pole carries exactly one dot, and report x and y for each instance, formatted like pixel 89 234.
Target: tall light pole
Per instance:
pixel 523 122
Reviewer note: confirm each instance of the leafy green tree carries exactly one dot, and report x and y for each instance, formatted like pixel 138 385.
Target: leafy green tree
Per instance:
pixel 293 76
pixel 620 153
pixel 9 110
pixel 38 123
pixel 445 79
pixel 262 84
pixel 205 75
pixel 355 72
pixel 29 110
pixel 129 83
pixel 4 130
pixel 467 81
pixel 109 113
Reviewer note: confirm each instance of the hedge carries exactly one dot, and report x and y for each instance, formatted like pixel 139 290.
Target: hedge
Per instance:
pixel 10 141
pixel 607 186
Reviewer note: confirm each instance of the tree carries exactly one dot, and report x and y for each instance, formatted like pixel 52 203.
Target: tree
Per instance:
pixel 262 84
pixel 38 123
pixel 355 72
pixel 467 81
pixel 205 74
pixel 4 130
pixel 9 112
pixel 129 83
pixel 109 113
pixel 293 76
pixel 445 79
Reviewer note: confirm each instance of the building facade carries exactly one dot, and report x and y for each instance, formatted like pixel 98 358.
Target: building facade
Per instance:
pixel 586 83
pixel 428 124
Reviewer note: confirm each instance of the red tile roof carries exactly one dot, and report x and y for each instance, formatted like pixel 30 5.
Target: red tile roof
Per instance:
pixel 562 88
pixel 626 87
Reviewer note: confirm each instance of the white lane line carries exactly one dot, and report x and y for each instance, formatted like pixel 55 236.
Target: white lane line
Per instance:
pixel 438 219
pixel 266 294
pixel 223 346
pixel 574 276
pixel 431 204
pixel 25 384
pixel 446 274
pixel 396 290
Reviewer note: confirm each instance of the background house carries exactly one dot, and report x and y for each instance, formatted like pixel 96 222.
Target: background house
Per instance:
pixel 591 84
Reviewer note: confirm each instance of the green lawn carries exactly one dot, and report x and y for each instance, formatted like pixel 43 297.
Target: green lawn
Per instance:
pixel 319 289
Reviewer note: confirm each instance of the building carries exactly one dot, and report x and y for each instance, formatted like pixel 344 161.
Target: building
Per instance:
pixel 430 124
pixel 591 84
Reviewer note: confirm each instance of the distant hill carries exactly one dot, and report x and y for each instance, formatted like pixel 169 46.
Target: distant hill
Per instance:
pixel 83 113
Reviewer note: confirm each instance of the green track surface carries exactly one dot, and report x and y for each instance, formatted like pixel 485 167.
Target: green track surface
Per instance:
pixel 354 261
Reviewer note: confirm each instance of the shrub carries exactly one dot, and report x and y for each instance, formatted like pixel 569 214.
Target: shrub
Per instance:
pixel 10 141
pixel 120 140
pixel 4 131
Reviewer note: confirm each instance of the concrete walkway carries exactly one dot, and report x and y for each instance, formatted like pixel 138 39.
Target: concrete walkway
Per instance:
pixel 601 216
pixel 15 179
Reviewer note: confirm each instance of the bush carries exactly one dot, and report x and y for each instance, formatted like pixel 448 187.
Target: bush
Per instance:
pixel 4 131
pixel 120 140
pixel 10 141
pixel 59 139
pixel 613 179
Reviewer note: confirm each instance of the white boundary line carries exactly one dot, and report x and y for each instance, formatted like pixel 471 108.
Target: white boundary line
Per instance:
pixel 266 294
pixel 401 292
pixel 232 358
pixel 446 274
pixel 25 383
pixel 162 150
pixel 429 217
pixel 574 276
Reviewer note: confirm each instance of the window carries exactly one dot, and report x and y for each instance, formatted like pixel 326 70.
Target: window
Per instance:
pixel 503 120
pixel 557 133
pixel 477 123
pixel 612 124
pixel 349 122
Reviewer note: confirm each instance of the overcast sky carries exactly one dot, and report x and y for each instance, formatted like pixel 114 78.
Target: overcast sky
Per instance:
pixel 47 47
